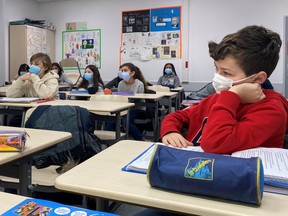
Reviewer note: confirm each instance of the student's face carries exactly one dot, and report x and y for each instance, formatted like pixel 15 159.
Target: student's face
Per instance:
pixel 39 64
pixel 126 69
pixel 88 70
pixel 169 66
pixel 55 68
pixel 229 68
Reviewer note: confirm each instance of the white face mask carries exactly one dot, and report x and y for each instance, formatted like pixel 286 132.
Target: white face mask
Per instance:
pixel 222 83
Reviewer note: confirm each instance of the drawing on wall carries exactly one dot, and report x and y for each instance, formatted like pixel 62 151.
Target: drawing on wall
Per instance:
pixel 36 41
pixel 151 34
pixel 84 46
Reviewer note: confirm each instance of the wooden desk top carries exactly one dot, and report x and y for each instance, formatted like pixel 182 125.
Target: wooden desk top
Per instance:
pixel 9 200
pixel 36 141
pixel 106 180
pixel 93 106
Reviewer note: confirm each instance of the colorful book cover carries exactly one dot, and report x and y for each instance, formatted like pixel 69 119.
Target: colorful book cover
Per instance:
pixel 39 207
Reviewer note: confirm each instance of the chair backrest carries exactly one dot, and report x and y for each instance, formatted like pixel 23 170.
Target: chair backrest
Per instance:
pixel 159 88
pixel 113 98
pixel 71 64
pixel 28 113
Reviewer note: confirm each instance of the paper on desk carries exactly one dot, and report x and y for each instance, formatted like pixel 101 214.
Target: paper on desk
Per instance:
pixel 274 160
pixel 22 99
pixel 141 163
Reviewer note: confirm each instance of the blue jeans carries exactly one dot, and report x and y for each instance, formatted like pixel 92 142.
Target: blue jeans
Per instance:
pixel 133 129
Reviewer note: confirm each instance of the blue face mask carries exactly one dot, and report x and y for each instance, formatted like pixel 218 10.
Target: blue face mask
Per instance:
pixel 126 76
pixel 168 70
pixel 34 69
pixel 22 73
pixel 120 74
pixel 88 76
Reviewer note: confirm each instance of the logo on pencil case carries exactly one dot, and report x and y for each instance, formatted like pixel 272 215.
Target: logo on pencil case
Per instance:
pixel 199 168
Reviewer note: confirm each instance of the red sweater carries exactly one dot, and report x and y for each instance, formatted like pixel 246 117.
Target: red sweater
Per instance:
pixel 221 124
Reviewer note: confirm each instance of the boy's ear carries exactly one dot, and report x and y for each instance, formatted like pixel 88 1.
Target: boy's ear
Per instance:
pixel 260 77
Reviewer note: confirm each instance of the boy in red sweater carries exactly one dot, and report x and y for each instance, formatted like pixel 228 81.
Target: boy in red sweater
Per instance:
pixel 240 115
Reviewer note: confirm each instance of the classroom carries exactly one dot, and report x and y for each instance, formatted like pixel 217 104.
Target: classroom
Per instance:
pixel 197 23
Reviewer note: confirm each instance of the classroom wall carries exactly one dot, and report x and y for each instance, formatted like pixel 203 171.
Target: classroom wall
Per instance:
pixel 13 10
pixel 203 21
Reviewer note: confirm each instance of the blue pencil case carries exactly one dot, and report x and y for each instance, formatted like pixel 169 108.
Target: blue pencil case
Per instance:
pixel 237 179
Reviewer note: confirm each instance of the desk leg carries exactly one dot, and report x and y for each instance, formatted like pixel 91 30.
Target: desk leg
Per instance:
pixel 170 105
pixel 24 176
pixel 156 123
pixel 127 124
pixel 118 125
pixel 102 205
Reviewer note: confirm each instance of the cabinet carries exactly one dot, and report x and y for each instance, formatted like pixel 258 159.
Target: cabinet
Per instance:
pixel 24 41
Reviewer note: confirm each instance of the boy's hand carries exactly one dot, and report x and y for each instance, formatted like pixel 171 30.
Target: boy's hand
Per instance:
pixel 176 140
pixel 248 92
pixel 25 77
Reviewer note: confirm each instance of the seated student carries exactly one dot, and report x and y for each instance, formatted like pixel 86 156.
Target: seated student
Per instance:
pixel 63 79
pixel 40 81
pixel 92 81
pixel 133 81
pixel 241 115
pixel 23 69
pixel 169 77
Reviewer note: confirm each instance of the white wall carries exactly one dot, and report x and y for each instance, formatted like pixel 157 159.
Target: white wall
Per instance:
pixel 13 10
pixel 203 21
pixel 2 48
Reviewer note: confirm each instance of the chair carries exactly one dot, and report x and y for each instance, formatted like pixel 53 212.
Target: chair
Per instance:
pixel 109 137
pixel 159 88
pixel 71 64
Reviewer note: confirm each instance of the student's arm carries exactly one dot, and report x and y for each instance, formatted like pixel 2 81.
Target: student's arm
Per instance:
pixel 112 83
pixel 15 90
pixel 177 82
pixel 233 126
pixel 160 81
pixel 172 125
pixel 47 89
pixel 66 80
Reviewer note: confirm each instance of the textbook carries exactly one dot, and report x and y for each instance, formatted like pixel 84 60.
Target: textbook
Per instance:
pixel 19 100
pixel 275 162
pixel 32 206
pixel 140 164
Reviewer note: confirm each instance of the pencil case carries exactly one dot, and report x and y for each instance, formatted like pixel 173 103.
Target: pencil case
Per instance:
pixel 237 179
pixel 12 140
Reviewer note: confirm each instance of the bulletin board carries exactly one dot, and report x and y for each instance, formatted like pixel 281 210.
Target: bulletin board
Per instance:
pixel 151 34
pixel 82 45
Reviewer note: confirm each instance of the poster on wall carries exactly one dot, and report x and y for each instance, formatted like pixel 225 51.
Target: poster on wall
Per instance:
pixel 151 34
pixel 82 45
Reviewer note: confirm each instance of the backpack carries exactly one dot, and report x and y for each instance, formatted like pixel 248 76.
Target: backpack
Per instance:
pixel 76 120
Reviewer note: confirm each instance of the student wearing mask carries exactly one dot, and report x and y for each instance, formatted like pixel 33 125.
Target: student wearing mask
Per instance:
pixel 23 69
pixel 169 77
pixel 92 80
pixel 40 81
pixel 222 123
pixel 133 81
pixel 63 79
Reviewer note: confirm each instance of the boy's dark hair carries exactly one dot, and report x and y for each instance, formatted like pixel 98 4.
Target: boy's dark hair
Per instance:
pixel 254 47
pixel 44 58
pixel 96 79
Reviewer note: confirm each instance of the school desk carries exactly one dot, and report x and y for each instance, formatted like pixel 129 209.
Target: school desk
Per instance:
pixel 108 182
pixel 9 200
pixel 102 110
pixel 3 90
pixel 37 141
pixel 16 108
pixel 142 100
